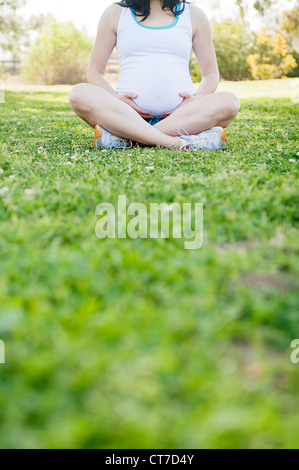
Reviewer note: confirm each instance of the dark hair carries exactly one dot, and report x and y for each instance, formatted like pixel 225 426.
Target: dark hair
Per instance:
pixel 143 7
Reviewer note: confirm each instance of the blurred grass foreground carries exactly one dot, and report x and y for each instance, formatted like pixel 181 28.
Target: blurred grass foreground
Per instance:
pixel 139 343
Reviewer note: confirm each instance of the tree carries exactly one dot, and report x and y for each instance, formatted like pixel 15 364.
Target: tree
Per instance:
pixel 15 32
pixel 290 21
pixel 290 25
pixel 272 58
pixel 268 11
pixel 263 5
pixel 8 8
pixel 12 27
pixel 59 56
pixel 233 43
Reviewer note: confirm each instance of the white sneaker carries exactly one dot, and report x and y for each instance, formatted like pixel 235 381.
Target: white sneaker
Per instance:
pixel 105 140
pixel 213 139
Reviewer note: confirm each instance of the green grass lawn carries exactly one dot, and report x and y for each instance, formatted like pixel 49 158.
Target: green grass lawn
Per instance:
pixel 140 343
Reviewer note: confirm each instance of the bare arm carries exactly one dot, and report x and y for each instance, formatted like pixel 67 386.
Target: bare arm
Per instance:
pixel 103 47
pixel 204 51
pixel 105 42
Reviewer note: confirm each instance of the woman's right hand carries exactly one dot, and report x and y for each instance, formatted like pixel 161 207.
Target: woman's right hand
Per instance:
pixel 128 99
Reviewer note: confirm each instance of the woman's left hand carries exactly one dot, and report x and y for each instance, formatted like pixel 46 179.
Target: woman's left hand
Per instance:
pixel 187 98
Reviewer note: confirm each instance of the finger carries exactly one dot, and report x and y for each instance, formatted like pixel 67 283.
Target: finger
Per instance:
pixel 139 110
pixel 146 116
pixel 132 96
pixel 185 95
pixel 127 98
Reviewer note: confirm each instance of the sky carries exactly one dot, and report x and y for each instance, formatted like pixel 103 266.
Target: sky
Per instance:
pixel 88 12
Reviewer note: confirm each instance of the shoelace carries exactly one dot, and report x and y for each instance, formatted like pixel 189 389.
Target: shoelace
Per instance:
pixel 192 141
pixel 119 143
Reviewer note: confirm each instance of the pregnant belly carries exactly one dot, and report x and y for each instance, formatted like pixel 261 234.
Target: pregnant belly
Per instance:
pixel 154 94
pixel 157 84
pixel 158 101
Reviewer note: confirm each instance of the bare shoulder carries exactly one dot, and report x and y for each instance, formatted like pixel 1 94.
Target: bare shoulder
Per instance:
pixel 200 21
pixel 111 16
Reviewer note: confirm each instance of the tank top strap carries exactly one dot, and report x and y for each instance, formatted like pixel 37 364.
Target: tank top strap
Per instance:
pixel 124 19
pixel 185 18
pixel 127 19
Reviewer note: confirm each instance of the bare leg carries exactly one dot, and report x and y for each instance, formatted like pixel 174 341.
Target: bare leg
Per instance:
pixel 96 106
pixel 219 109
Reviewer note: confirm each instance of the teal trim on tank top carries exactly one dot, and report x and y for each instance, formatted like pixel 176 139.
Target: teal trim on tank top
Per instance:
pixel 172 25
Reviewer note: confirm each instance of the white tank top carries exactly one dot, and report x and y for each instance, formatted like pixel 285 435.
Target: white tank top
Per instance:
pixel 154 61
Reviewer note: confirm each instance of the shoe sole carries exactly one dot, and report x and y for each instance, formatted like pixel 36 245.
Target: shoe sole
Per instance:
pixel 223 139
pixel 98 138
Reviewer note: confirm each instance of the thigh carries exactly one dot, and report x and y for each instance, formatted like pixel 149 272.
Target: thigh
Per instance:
pixel 84 95
pixel 221 104
pixel 94 104
pixel 217 109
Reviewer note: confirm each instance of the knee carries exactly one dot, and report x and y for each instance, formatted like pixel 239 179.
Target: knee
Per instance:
pixel 78 97
pixel 232 105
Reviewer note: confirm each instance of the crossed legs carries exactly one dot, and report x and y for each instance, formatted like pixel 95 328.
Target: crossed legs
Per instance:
pixel 96 106
pixel 218 109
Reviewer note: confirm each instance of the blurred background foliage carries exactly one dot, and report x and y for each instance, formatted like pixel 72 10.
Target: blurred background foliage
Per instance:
pixel 265 54
pixel 58 53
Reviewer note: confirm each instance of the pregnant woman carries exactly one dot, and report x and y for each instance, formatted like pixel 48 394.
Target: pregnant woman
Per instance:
pixel 155 103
